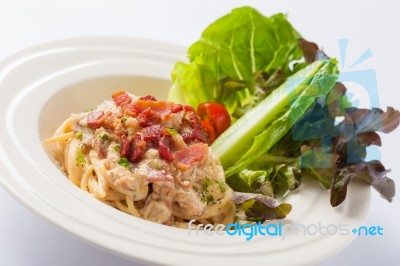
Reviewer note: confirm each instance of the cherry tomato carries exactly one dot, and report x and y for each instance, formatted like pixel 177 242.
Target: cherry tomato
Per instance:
pixel 215 115
pixel 209 129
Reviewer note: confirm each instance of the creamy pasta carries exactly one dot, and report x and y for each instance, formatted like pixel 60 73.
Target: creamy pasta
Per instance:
pixel 145 157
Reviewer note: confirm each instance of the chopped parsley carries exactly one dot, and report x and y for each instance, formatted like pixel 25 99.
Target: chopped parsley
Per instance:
pixel 124 162
pixel 105 137
pixel 206 197
pixel 170 130
pixel 221 185
pixel 205 194
pixel 206 183
pixel 80 158
pixel 124 119
pixel 88 110
pixel 203 197
pixel 117 148
pixel 79 135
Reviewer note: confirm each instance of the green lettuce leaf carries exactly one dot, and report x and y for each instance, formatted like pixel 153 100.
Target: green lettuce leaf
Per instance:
pixel 259 208
pixel 239 60
pixel 248 180
pixel 274 181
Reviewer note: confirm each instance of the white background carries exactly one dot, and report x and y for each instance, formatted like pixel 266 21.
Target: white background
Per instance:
pixel 26 239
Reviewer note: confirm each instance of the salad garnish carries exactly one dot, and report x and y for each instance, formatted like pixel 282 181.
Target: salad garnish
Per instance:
pixel 284 101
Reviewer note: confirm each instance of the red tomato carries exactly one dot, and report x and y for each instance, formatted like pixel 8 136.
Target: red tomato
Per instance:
pixel 209 129
pixel 216 115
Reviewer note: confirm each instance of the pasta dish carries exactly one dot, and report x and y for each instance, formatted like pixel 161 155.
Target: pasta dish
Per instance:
pixel 145 157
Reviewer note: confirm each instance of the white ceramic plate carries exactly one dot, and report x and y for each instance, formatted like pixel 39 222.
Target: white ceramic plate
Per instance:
pixel 41 86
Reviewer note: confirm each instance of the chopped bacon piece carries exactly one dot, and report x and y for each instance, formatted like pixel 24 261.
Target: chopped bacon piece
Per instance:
pixel 117 93
pixel 195 153
pixel 189 108
pixel 138 149
pixel 148 98
pixel 119 129
pixel 148 118
pixel 160 108
pixel 199 134
pixel 130 111
pixel 176 108
pixel 124 146
pixel 188 137
pixel 194 120
pixel 164 148
pixel 154 132
pixel 94 119
pixel 121 98
pixel 136 108
pixel 108 120
pixel 102 151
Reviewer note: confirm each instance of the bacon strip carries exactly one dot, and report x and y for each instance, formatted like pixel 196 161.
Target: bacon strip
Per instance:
pixel 176 108
pixel 198 131
pixel 154 132
pixel 164 148
pixel 148 118
pixel 121 98
pixel 160 108
pixel 148 98
pixel 95 119
pixel 125 146
pixel 186 158
pixel 138 149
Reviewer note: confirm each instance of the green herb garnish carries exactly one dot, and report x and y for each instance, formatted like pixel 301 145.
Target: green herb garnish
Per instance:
pixel 206 197
pixel 80 158
pixel 205 194
pixel 117 148
pixel 124 162
pixel 124 119
pixel 221 185
pixel 206 183
pixel 79 135
pixel 171 130
pixel 105 137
